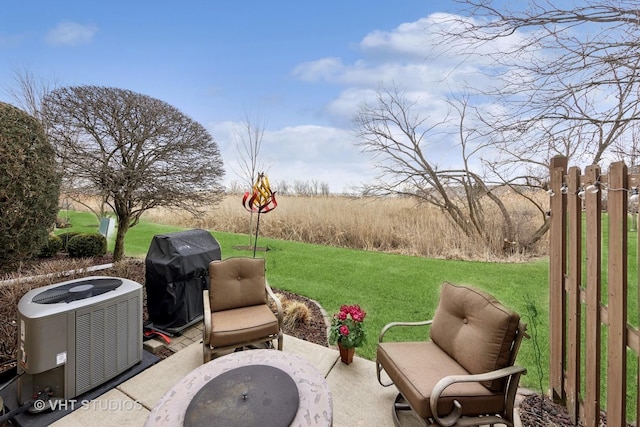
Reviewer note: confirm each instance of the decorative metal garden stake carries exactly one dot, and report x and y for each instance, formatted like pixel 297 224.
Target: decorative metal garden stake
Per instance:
pixel 260 200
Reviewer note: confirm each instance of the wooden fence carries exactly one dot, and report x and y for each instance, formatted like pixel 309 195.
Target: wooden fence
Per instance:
pixel 576 199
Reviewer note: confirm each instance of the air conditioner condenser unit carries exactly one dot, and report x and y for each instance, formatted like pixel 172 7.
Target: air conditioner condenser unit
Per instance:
pixel 76 335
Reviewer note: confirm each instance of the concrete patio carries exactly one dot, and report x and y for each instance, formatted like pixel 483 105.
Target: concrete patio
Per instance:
pixel 358 399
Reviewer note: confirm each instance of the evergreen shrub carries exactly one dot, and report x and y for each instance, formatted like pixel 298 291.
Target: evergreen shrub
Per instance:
pixel 29 187
pixel 87 245
pixel 65 237
pixel 53 246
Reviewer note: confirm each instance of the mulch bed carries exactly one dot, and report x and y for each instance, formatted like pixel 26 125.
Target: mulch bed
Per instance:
pixel 313 329
pixel 539 411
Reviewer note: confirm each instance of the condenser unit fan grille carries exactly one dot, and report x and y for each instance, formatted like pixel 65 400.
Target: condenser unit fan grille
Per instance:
pixel 77 290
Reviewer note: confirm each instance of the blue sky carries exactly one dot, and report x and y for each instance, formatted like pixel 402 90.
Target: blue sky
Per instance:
pixel 300 67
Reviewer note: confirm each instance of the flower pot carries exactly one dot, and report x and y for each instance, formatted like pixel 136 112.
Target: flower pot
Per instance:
pixel 346 354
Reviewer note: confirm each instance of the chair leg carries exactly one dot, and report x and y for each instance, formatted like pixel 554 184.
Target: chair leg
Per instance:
pixel 400 404
pixel 379 370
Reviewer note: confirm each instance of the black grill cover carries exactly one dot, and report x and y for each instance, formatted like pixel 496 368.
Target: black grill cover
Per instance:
pixel 177 271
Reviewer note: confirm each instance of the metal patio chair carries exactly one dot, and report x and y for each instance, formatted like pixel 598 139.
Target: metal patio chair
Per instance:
pixel 464 374
pixel 236 309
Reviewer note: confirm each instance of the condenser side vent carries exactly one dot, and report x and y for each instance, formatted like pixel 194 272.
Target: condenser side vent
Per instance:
pixel 105 344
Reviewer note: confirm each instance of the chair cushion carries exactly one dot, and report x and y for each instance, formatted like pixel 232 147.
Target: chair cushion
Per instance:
pixel 416 367
pixel 474 329
pixel 242 324
pixel 237 282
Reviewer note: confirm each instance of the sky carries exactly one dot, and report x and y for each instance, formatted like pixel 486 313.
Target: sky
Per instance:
pixel 298 69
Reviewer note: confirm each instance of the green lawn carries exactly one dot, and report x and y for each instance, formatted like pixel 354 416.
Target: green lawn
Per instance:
pixel 389 287
pixel 397 287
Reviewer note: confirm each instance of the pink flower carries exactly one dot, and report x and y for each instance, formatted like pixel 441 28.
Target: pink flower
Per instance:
pixel 346 326
pixel 357 313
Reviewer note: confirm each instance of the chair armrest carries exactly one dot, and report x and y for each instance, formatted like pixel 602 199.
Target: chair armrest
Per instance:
pixel 394 324
pixel 445 382
pixel 275 299
pixel 206 321
pixel 384 330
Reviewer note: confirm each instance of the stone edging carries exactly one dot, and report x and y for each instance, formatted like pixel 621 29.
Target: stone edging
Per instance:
pixel 325 316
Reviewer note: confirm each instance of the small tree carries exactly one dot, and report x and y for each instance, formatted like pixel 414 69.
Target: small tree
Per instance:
pixel 133 151
pixel 29 186
pixel 28 90
pixel 394 131
pixel 248 143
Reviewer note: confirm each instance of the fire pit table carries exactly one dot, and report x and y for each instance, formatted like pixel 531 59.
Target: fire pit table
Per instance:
pixel 248 388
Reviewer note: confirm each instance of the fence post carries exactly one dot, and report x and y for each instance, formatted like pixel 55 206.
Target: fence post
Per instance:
pixel 574 280
pixel 593 328
pixel 557 268
pixel 617 292
pixel 633 184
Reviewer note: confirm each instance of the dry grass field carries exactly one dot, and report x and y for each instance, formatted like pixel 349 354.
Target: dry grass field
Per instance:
pixel 397 225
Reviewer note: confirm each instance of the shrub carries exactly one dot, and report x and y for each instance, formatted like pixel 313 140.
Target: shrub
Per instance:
pixel 295 314
pixel 65 237
pixel 53 246
pixel 29 186
pixel 87 245
pixel 283 301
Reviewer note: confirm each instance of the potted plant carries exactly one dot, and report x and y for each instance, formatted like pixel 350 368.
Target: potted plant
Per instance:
pixel 347 330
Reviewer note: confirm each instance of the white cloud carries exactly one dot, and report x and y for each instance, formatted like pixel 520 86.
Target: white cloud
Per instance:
pixel 310 143
pixel 410 57
pixel 406 39
pixel 323 69
pixel 300 153
pixel 71 34
pixel 414 55
pixel 414 58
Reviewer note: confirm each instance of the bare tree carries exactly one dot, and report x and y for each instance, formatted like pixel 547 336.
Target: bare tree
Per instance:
pixel 301 188
pixel 309 188
pixel 29 90
pixel 567 79
pixel 283 188
pixel 136 151
pixel 325 191
pixel 558 81
pixel 248 143
pixel 395 132
pixel 627 149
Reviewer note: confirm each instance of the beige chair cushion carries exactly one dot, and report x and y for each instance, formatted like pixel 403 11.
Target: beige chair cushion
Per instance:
pixel 242 324
pixel 416 367
pixel 237 282
pixel 474 329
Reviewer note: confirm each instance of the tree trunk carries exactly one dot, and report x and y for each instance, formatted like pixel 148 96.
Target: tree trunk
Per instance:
pixel 508 228
pixel 540 232
pixel 118 250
